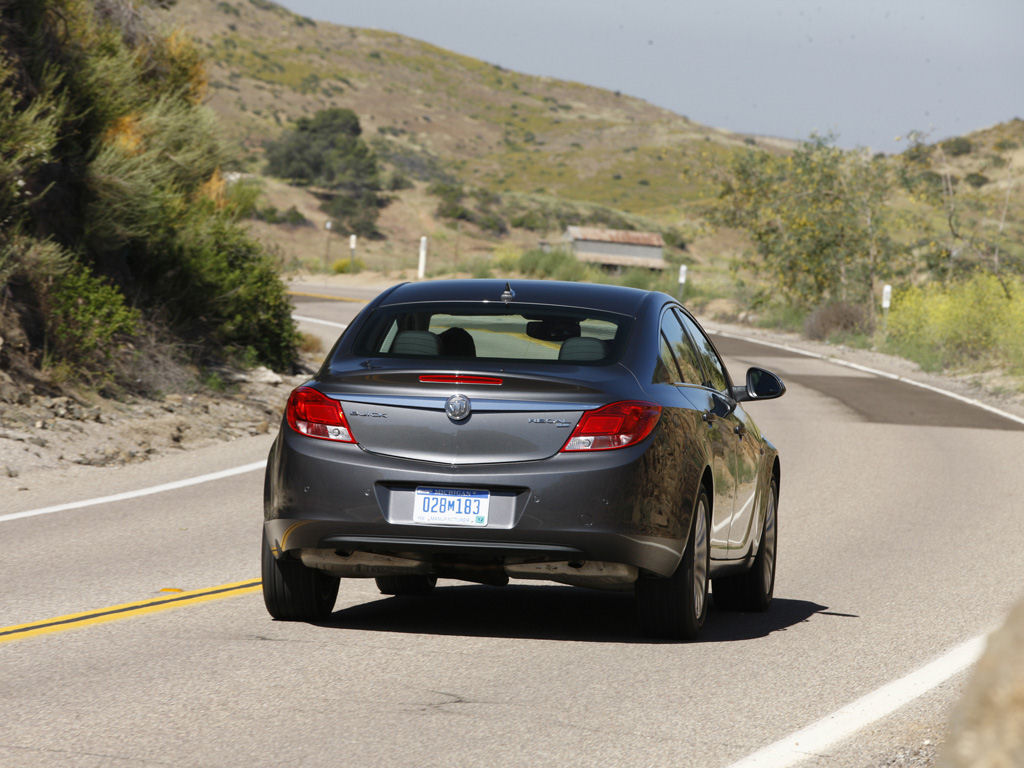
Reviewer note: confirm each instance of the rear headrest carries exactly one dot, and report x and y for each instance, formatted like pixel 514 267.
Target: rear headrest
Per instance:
pixel 582 349
pixel 415 343
pixel 457 342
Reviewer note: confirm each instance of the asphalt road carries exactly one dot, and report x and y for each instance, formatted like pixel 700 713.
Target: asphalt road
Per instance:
pixel 900 538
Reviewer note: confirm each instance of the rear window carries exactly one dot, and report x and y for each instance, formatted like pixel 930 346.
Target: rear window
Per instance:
pixel 493 332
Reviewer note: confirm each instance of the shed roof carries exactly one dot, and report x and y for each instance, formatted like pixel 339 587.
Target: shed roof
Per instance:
pixel 624 236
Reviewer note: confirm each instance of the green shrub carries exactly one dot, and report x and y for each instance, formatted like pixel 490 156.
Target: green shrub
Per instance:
pixel 976 180
pixel 348 266
pixel 957 147
pixel 918 153
pixel 492 222
pixel 978 321
pixel 87 320
pixel 242 197
pixel 397 181
pixel 480 269
pixel 550 264
pixel 506 258
pixel 130 202
pixel 784 316
pixel 220 287
pixel 637 277
pixel 534 220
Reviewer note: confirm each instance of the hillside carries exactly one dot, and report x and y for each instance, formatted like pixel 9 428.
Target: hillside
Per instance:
pixel 553 150
pixel 494 128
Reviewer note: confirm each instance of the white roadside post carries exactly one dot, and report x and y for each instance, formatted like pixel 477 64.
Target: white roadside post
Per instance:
pixel 422 270
pixel 352 254
pixel 327 245
pixel 886 303
pixel 682 280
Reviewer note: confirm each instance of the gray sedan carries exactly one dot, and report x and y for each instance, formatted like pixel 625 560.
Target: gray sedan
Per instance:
pixel 484 430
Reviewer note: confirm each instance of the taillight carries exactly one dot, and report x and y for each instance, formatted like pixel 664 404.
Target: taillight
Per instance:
pixel 614 426
pixel 459 378
pixel 313 414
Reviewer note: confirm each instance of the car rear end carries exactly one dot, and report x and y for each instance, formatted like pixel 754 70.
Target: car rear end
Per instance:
pixel 479 437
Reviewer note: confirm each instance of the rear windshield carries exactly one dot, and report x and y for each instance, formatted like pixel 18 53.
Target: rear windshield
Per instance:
pixel 493 332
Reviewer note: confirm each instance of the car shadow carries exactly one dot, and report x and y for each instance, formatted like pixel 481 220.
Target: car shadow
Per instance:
pixel 550 613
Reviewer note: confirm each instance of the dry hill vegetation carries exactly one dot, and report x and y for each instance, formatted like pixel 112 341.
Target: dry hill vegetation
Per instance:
pixel 121 258
pixel 555 152
pixel 487 162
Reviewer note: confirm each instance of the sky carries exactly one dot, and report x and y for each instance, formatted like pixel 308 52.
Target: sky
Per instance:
pixel 864 70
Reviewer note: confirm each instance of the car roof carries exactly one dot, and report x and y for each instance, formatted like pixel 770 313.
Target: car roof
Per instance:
pixel 607 298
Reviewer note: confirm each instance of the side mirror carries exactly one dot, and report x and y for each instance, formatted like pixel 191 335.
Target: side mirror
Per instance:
pixel 761 385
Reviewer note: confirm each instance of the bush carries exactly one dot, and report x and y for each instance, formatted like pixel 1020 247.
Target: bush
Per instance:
pixel 645 279
pixel 918 153
pixel 480 269
pixel 492 222
pixel 130 202
pixel 218 286
pixel 398 181
pixel 550 264
pixel 87 319
pixel 837 318
pixel 348 266
pixel 976 180
pixel 535 221
pixel 957 147
pixel 506 258
pixel 310 344
pixel 978 321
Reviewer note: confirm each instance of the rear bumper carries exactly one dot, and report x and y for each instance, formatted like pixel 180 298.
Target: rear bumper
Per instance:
pixel 569 508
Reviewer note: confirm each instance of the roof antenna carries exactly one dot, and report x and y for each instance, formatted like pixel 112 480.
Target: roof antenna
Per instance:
pixel 508 294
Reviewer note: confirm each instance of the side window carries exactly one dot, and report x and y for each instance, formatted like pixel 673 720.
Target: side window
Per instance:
pixel 682 350
pixel 665 370
pixel 712 362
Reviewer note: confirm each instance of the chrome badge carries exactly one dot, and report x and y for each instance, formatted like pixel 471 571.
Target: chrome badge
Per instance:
pixel 457 407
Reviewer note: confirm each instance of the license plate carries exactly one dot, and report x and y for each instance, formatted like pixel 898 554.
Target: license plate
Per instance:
pixel 451 506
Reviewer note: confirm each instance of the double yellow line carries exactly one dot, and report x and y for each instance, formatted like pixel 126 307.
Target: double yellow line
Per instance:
pixel 126 610
pixel 326 296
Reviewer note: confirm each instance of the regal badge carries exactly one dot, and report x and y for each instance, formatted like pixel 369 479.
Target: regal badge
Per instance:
pixel 457 407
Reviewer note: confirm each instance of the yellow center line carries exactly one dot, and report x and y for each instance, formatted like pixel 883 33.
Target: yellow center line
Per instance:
pixel 327 296
pixel 125 610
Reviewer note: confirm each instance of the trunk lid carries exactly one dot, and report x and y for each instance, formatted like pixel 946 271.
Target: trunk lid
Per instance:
pixel 522 416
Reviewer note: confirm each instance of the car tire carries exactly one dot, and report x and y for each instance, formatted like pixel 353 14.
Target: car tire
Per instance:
pixel 752 590
pixel 293 592
pixel 676 607
pixel 411 584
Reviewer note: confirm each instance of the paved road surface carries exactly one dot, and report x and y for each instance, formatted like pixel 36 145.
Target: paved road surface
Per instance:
pixel 900 537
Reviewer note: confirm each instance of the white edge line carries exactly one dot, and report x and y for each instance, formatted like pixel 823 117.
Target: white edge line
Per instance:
pixel 816 738
pixel 875 372
pixel 138 493
pixel 306 319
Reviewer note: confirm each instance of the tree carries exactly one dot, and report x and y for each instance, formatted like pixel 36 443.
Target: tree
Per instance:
pixel 327 151
pixel 817 218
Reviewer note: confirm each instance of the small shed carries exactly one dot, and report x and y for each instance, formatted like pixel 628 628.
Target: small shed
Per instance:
pixel 617 247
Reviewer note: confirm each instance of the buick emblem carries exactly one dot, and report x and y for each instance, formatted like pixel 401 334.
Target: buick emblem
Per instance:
pixel 457 407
